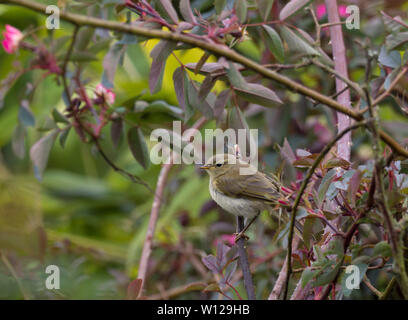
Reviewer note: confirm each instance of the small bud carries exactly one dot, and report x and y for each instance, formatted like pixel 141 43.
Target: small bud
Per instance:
pixel 104 93
pixel 12 38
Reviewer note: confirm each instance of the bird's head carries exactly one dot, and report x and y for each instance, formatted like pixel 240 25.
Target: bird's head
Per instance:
pixel 221 163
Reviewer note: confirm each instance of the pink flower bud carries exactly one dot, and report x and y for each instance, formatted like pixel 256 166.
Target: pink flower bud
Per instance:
pixel 106 94
pixel 321 11
pixel 283 202
pixel 12 38
pixel 286 190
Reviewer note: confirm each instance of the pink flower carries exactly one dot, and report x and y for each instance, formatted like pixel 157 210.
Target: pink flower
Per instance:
pixel 343 11
pixel 321 11
pixel 225 238
pixel 12 38
pixel 104 93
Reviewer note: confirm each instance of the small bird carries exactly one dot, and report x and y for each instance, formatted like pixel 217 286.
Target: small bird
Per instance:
pixel 241 195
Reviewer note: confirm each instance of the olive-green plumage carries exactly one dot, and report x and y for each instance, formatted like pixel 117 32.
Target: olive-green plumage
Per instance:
pixel 240 194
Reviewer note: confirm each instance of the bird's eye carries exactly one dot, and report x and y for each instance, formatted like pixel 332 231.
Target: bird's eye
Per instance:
pixel 219 165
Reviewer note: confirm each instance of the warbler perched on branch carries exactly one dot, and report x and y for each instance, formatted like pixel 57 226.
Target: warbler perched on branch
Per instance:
pixel 242 195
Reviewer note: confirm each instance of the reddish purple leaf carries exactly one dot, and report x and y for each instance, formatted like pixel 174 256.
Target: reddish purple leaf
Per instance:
pixel 159 55
pixel 186 11
pixel 133 289
pixel 116 131
pixel 211 263
pixel 170 10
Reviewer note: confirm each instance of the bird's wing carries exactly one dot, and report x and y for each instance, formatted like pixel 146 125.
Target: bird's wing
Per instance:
pixel 257 186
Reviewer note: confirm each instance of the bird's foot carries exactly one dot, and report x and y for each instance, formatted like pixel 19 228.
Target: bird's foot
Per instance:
pixel 240 235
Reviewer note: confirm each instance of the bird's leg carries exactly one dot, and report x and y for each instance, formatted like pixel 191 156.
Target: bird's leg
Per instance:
pixel 241 234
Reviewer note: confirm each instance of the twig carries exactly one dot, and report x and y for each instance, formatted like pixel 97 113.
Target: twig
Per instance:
pixel 371 287
pixel 388 91
pixel 388 289
pixel 343 78
pixel 280 282
pixel 154 213
pixel 305 182
pixel 391 87
pixel 243 260
pixel 174 292
pixel 402 23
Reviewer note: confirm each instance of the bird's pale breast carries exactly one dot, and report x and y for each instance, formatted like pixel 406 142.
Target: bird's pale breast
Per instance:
pixel 237 206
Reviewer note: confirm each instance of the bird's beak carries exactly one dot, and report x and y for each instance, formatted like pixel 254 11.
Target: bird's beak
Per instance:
pixel 205 167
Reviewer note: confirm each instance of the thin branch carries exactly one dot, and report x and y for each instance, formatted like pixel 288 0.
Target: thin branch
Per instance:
pixel 370 286
pixel 154 213
pixel 280 282
pixel 174 292
pixel 216 49
pixel 391 87
pixel 343 78
pixel 402 23
pixel 305 182
pixel 243 260
pixel 388 289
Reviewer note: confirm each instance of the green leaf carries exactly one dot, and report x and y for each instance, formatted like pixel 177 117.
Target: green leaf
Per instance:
pixel 138 147
pixel 336 247
pixel 362 267
pixel 390 59
pixel 64 135
pixel 328 273
pixel 307 275
pixel 259 94
pixel 308 231
pixel 397 41
pixel 292 7
pixel 25 115
pixel 80 56
pixel 264 8
pixel 275 44
pixel 324 184
pixel 219 5
pixel 241 8
pixel 18 141
pixel 40 151
pixel 252 92
pixel 58 117
pixel 296 43
pixel 382 249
